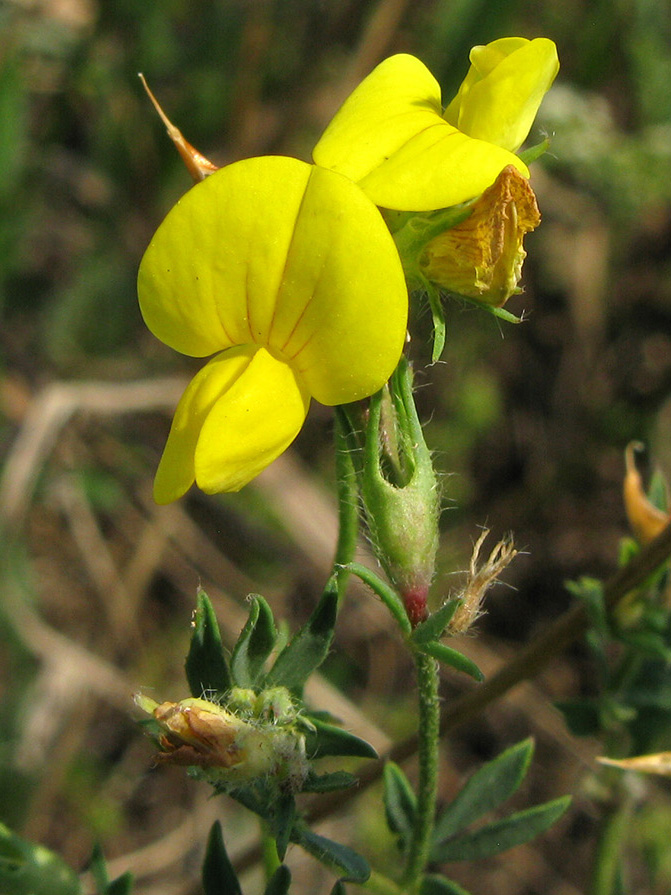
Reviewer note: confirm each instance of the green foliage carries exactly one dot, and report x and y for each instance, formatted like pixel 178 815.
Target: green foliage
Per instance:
pixel 254 645
pixel 501 835
pixel 122 885
pixel 434 626
pixel 310 645
pixel 279 882
pixel 400 804
pixel 327 739
pixel 432 884
pixel 207 669
pixel 259 700
pixel 341 859
pixel 452 657
pixel 385 592
pixel 28 869
pixel 486 790
pixel 218 873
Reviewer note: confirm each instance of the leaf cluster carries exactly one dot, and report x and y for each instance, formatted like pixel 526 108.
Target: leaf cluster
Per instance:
pixel 454 836
pixel 255 663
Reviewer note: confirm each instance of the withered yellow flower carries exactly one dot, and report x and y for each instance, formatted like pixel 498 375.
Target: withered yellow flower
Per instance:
pixel 482 257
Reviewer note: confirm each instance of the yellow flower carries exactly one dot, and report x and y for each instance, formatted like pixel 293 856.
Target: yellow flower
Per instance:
pixel 288 275
pixel 482 257
pixel 393 139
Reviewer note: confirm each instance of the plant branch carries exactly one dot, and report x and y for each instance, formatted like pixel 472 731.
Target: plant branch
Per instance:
pixel 526 664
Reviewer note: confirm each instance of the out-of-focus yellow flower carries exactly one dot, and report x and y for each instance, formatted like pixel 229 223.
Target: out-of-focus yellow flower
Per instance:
pixel 645 519
pixel 482 257
pixel 288 275
pixel 392 137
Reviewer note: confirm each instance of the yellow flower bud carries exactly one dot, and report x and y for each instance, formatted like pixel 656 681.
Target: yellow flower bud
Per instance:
pixel 482 257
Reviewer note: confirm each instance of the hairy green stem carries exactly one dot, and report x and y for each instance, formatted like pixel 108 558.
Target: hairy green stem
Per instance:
pixel 427 749
pixel 348 501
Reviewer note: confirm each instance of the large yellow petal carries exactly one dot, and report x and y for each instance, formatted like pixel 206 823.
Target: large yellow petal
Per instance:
pixel 236 416
pixel 253 422
pixel 341 310
pixel 391 138
pixel 499 97
pixel 275 252
pixel 211 274
pixel 176 471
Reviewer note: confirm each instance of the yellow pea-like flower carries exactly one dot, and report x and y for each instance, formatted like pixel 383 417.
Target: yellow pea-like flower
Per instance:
pixel 392 137
pixel 288 275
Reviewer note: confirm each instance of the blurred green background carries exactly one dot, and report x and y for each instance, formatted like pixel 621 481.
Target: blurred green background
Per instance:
pixel 528 422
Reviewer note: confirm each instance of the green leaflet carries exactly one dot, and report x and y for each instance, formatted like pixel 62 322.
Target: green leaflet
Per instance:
pixel 343 860
pixel 29 869
pixel 279 882
pixel 327 739
pixel 502 835
pixel 308 648
pixel 488 788
pixel 206 665
pixel 400 803
pixel 218 873
pixel 454 658
pixel 255 643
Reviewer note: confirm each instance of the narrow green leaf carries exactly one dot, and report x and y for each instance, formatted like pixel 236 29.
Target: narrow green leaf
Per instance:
pixel 122 885
pixel 488 788
pixel 341 859
pixel 432 884
pixel 435 624
pixel 255 643
pixel 283 816
pixel 454 658
pixel 329 782
pixel 98 869
pixel 29 869
pixel 308 648
pixel 502 835
pixel 385 592
pixel 400 802
pixel 438 317
pixel 206 665
pixel 327 739
pixel 218 873
pixel 534 152
pixel 339 888
pixel 279 882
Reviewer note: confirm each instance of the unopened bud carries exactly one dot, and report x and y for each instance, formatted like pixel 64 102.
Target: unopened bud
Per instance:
pixel 401 495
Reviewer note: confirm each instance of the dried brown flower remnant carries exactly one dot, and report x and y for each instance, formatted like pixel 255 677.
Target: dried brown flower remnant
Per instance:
pixel 645 519
pixel 657 763
pixel 197 165
pixel 480 579
pixel 482 257
pixel 203 734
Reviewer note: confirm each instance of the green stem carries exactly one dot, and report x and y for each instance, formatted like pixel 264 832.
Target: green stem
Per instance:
pixel 428 736
pixel 608 858
pixel 270 858
pixel 379 884
pixel 348 501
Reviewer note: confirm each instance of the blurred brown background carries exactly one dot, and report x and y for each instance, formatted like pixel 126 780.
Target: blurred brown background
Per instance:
pixel 528 422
